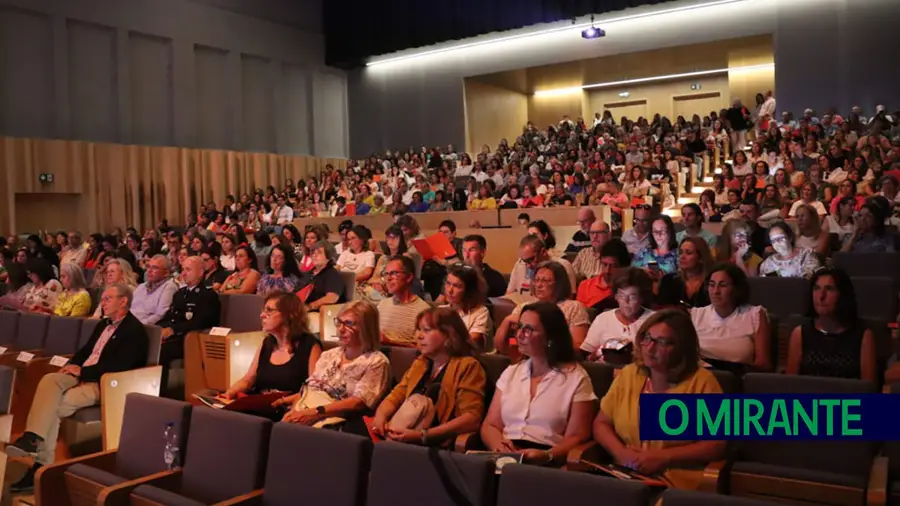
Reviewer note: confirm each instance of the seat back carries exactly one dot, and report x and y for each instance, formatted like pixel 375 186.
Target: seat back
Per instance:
pixel 154 343
pixel 262 263
pixel 32 331
pixel 876 297
pixel 493 365
pixel 780 296
pixel 401 358
pixel 226 455
pixel 9 324
pixel 601 376
pixel 539 486
pixel 63 335
pixel 411 475
pixel 848 457
pixel 675 497
pixel 730 383
pixel 243 312
pixel 338 480
pixel 141 443
pixel 89 276
pixel 349 279
pixel 88 325
pixel 500 308
pixel 869 265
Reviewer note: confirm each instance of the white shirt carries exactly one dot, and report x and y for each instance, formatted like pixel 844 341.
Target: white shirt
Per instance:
pixel 356 262
pixel 820 209
pixel 729 338
pixel 542 419
pixel 607 328
pixel 477 320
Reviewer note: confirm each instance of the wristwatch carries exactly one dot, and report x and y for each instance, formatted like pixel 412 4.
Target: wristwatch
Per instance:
pixel 320 410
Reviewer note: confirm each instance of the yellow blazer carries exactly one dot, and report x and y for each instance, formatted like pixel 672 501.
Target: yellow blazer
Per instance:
pixel 462 388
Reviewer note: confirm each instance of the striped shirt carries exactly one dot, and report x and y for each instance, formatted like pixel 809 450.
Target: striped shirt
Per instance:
pixel 398 321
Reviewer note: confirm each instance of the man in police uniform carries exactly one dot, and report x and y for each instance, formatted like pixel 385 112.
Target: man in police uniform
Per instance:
pixel 194 307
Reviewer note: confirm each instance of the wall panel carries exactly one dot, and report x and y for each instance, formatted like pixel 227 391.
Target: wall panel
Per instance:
pixel 295 92
pixel 257 98
pixel 93 81
pixel 27 97
pixel 214 109
pixel 493 113
pixel 151 91
pixel 330 113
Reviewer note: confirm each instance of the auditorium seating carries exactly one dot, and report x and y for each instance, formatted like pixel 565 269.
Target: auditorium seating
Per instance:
pixel 674 497
pixel 30 334
pixel 410 475
pixel 841 472
pixel 109 476
pixel 524 485
pixel 240 312
pixel 225 457
pixel 7 377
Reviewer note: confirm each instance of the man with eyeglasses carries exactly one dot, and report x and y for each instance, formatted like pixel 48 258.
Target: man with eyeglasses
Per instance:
pixel 587 263
pixel 581 239
pixel 638 237
pixel 532 253
pixel 153 298
pixel 118 343
pixel 397 313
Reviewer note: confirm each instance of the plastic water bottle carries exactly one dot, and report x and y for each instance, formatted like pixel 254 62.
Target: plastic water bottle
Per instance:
pixel 171 451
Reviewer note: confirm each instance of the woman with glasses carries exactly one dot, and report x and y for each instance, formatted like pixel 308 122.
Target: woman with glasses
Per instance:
pixel 284 359
pixel 447 374
pixel 788 261
pixel 464 291
pixel 661 256
pixel 374 289
pixel 729 328
pixel 550 284
pixel 357 258
pixel 349 380
pixel 543 406
pixel 734 247
pixel 666 360
pixel 615 329
pixel 836 342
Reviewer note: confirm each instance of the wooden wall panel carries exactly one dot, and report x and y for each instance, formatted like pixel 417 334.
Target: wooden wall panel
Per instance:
pixel 493 113
pixel 118 185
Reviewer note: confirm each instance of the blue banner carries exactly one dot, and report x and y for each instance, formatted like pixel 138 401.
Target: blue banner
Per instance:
pixel 690 417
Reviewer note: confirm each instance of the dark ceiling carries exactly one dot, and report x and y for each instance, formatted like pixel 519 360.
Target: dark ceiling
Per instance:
pixel 358 29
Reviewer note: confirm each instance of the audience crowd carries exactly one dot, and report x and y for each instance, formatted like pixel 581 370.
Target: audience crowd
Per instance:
pixel 664 302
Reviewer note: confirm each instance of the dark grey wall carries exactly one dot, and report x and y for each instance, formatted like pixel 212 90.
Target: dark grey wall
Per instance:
pixel 200 73
pixel 827 53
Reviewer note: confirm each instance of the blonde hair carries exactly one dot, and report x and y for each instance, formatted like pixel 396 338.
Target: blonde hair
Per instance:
pixel 685 358
pixel 368 326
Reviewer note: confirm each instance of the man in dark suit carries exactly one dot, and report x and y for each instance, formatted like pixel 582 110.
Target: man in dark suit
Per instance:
pixel 194 307
pixel 119 343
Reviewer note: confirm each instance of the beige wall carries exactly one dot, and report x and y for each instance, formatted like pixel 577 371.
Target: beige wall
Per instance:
pixel 660 97
pixel 493 113
pixel 549 110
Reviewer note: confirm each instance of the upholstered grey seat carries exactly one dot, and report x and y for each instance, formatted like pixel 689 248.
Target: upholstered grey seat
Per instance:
pixel 675 497
pixel 524 485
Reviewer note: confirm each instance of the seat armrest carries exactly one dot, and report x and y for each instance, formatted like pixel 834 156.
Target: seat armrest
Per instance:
pixel 50 481
pixel 590 451
pixel 6 425
pixel 254 498
pixel 118 495
pixel 114 387
pixel 712 480
pixel 876 492
pixel 468 441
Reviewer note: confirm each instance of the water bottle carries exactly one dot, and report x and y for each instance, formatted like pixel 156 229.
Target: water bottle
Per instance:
pixel 170 452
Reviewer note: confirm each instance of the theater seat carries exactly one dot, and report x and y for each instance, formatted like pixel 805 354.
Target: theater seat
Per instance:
pixel 349 279
pixel 780 296
pixel 841 472
pixel 675 497
pixel 213 471
pixel 9 322
pixel 31 332
pixel 7 377
pixel 339 480
pixel 411 475
pixel 493 365
pixel 523 485
pixel 241 312
pixel 86 479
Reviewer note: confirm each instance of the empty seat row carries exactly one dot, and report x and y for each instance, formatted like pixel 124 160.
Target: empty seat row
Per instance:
pixel 274 465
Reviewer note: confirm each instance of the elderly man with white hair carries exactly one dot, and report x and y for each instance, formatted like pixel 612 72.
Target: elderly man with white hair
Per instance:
pixel 153 297
pixel 582 239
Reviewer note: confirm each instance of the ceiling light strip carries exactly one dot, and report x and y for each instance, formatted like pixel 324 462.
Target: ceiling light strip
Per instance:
pixel 549 30
pixel 575 89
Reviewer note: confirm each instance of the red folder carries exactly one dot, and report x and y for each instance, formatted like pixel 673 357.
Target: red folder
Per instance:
pixel 436 246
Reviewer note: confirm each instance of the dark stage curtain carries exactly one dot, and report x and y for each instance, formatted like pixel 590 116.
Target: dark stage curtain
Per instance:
pixel 357 29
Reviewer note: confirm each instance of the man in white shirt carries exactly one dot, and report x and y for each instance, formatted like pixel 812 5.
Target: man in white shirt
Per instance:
pixel 634 156
pixel 284 214
pixel 154 297
pixel 397 314
pixel 532 253
pixel 638 237
pixel 75 252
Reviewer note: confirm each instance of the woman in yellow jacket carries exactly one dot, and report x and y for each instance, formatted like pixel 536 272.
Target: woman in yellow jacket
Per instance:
pixel 447 373
pixel 485 199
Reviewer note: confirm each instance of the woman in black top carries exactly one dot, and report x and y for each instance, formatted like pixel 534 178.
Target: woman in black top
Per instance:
pixel 687 287
pixel 286 357
pixel 836 343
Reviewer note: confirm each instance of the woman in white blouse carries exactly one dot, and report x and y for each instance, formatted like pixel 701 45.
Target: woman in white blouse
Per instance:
pixel 464 290
pixel 349 380
pixel 357 258
pixel 729 328
pixel 543 406
pixel 616 328
pixel 550 284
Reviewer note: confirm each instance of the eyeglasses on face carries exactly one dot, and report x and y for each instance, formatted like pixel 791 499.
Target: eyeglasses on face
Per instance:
pixel 391 274
pixel 525 330
pixel 350 324
pixel 647 340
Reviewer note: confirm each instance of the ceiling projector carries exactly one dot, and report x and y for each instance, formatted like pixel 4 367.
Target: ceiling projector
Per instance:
pixel 592 33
